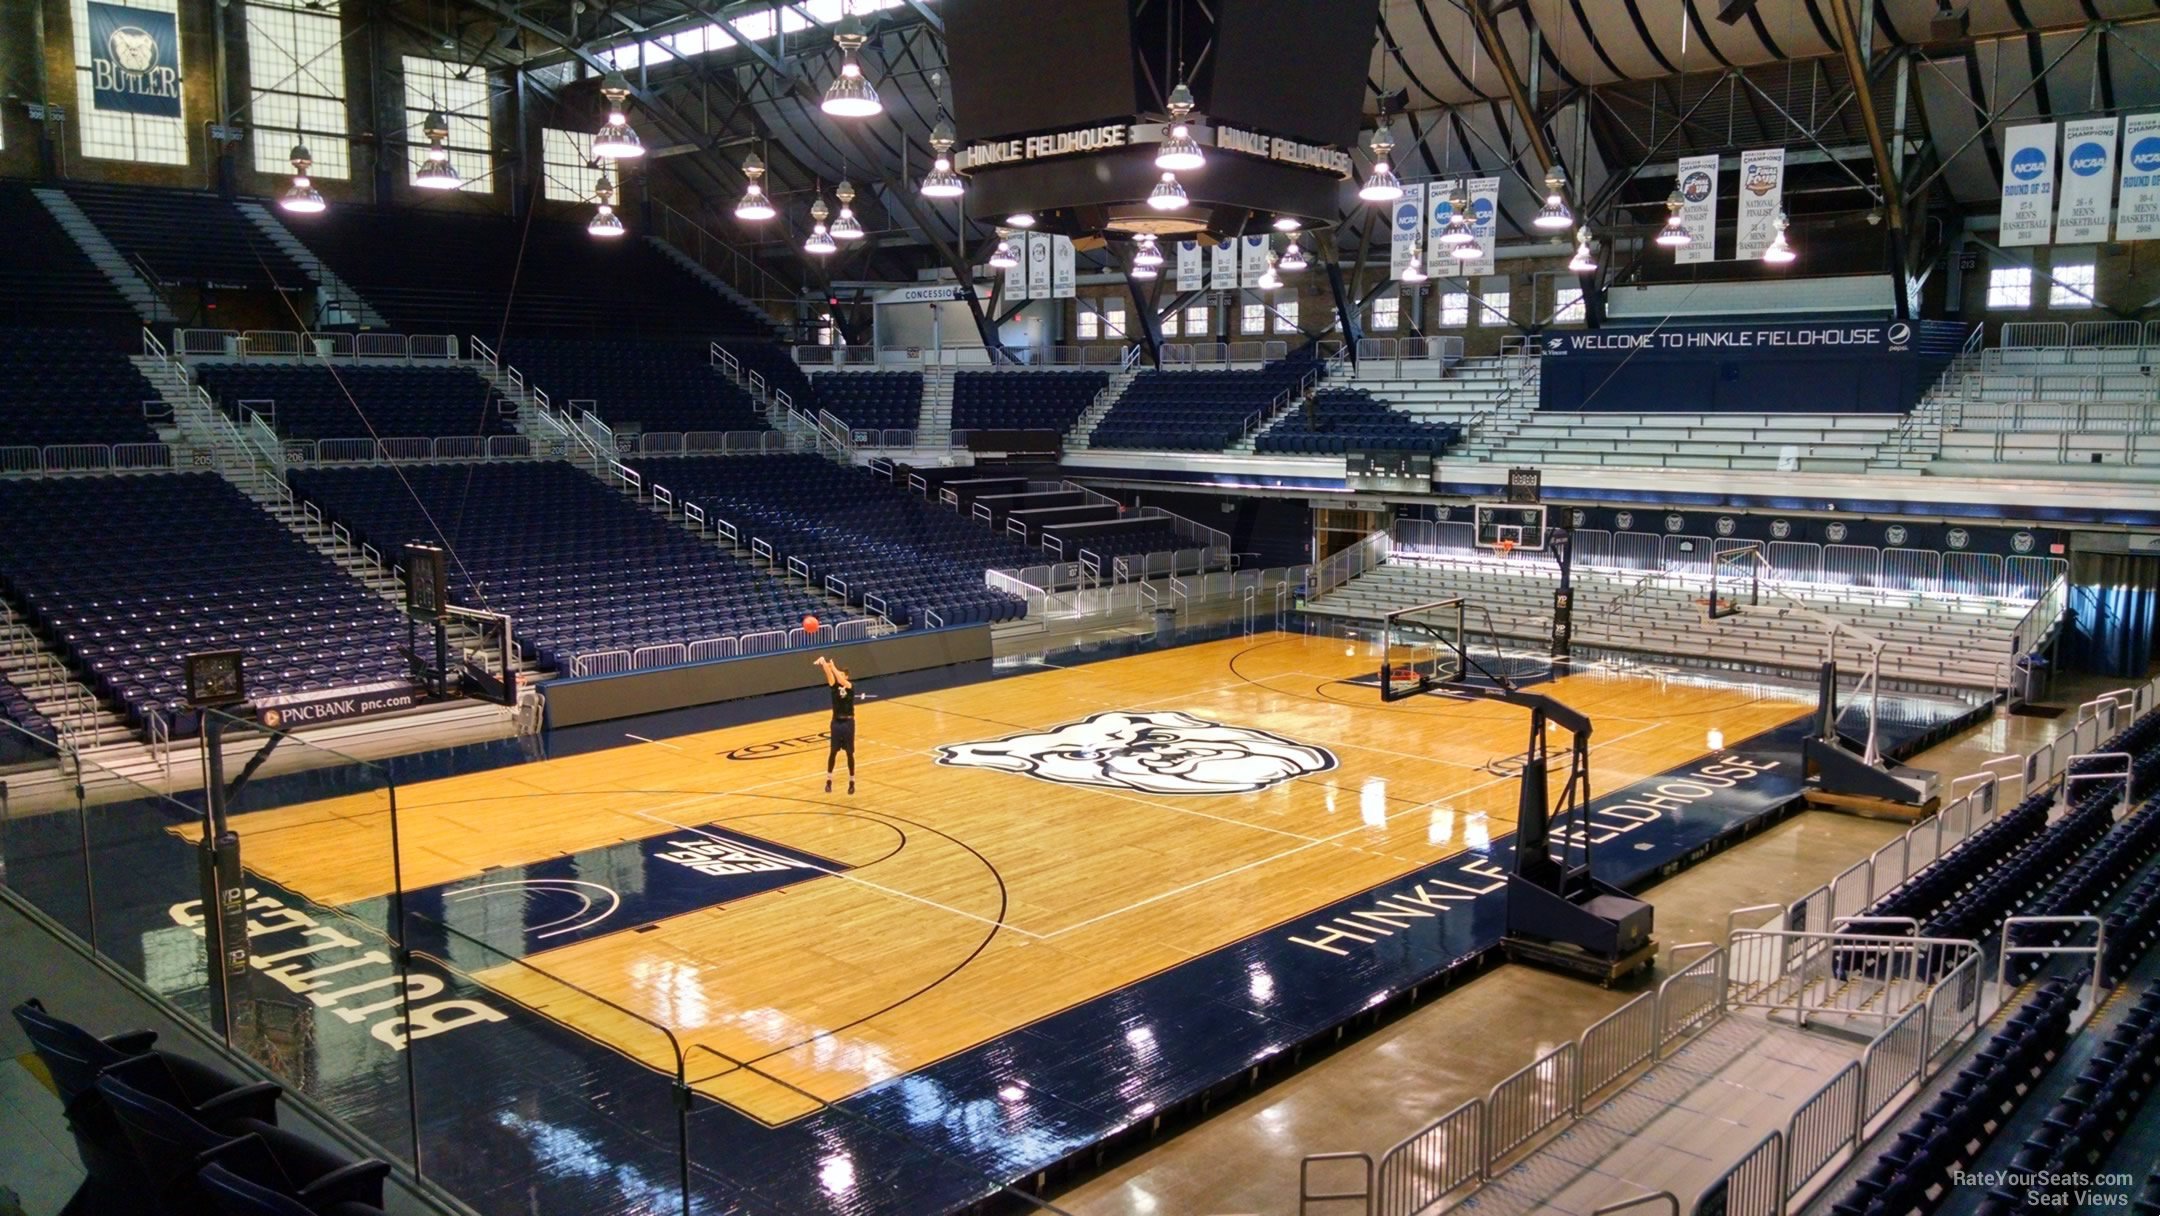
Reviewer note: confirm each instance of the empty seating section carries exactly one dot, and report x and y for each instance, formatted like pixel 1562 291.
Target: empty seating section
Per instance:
pixel 637 385
pixel 777 367
pixel 17 709
pixel 1935 640
pixel 306 400
pixel 62 386
pixel 1129 539
pixel 1815 443
pixel 858 534
pixel 2091 412
pixel 1352 420
pixel 430 272
pixel 578 567
pixel 184 236
pixel 1194 411
pixel 1023 401
pixel 2085 1124
pixel 45 278
pixel 126 578
pixel 871 400
pixel 1913 1175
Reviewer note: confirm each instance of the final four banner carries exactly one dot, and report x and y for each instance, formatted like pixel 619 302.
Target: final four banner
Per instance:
pixel 1698 208
pixel 1189 274
pixel 1252 260
pixel 2028 185
pixel 1404 233
pixel 2088 181
pixel 2137 214
pixel 1063 268
pixel 1222 266
pixel 134 60
pixel 1485 222
pixel 1762 196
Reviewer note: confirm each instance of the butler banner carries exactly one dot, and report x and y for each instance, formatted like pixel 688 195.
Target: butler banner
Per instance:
pixel 134 60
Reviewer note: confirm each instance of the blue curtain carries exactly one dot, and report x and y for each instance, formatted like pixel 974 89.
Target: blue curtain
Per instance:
pixel 2114 604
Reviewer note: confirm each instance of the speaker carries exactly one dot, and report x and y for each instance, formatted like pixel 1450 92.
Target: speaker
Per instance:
pixel 1022 68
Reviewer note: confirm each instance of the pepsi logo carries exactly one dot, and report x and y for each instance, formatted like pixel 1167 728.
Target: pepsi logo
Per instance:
pixel 2145 157
pixel 1900 334
pixel 1695 187
pixel 2087 159
pixel 2028 164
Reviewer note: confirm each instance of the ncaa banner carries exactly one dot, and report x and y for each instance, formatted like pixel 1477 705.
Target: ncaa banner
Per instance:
pixel 2137 216
pixel 1762 196
pixel 2088 181
pixel 1438 211
pixel 1252 260
pixel 1698 208
pixel 134 60
pixel 1038 265
pixel 2028 184
pixel 1222 265
pixel 1015 288
pixel 1063 267
pixel 1403 233
pixel 1484 222
pixel 1189 277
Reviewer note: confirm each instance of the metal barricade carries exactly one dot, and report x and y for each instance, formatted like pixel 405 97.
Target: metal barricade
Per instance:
pixel 1307 1195
pixel 1533 1099
pixel 1614 1045
pixel 1894 1060
pixel 1692 995
pixel 1429 1163
pixel 1823 1126
pixel 1754 1187
pixel 373 345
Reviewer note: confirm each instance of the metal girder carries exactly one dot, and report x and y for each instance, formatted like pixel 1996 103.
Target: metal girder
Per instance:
pixel 1856 68
pixel 1488 32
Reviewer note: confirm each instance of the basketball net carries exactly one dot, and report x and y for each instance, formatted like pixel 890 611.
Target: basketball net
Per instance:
pixel 1505 546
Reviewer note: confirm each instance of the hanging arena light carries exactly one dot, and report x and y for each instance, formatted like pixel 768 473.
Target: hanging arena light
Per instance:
pixel 1779 252
pixel 1554 214
pixel 1004 257
pixel 1149 253
pixel 1414 269
pixel 1020 219
pixel 436 172
pixel 1140 271
pixel 1459 231
pixel 1293 258
pixel 1287 223
pixel 1382 186
pixel 1675 233
pixel 820 241
pixel 1167 195
pixel 1179 151
pixel 615 140
pixel 845 227
pixel 1269 280
pixel 851 95
pixel 302 198
pixel 754 207
pixel 1582 262
pixel 941 181
pixel 605 223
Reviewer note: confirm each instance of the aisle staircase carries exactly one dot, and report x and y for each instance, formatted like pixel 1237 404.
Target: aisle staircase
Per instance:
pixel 337 302
pixel 80 718
pixel 1076 439
pixel 933 426
pixel 110 262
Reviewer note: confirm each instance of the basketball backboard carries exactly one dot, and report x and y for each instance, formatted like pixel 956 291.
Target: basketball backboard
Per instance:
pixel 1509 525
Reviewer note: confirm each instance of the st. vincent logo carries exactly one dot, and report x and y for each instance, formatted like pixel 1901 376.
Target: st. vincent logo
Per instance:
pixel 1147 752
pixel 777 748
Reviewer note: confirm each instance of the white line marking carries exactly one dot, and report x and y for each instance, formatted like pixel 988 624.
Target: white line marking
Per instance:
pixel 1310 843
pixel 655 742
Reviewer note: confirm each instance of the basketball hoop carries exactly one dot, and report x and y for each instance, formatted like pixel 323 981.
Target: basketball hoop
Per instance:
pixel 1506 546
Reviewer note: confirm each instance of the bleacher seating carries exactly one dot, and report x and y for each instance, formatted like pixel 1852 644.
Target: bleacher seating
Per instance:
pixel 18 710
pixel 126 578
pixel 46 279
pixel 578 567
pixel 2084 412
pixel 852 527
pixel 2085 1123
pixel 1351 420
pixel 778 367
pixel 432 272
pixel 637 385
pixel 1023 401
pixel 308 400
pixel 69 386
pixel 1814 443
pixel 1107 546
pixel 2133 928
pixel 1194 411
pixel 186 236
pixel 872 400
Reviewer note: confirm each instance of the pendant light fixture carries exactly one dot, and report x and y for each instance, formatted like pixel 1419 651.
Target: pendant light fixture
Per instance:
pixel 1779 252
pixel 436 172
pixel 1269 280
pixel 1554 215
pixel 1583 262
pixel 605 223
pixel 1675 234
pixel 1167 195
pixel 820 241
pixel 1148 252
pixel 615 140
pixel 1020 219
pixel 1140 271
pixel 1381 186
pixel 1179 151
pixel 845 227
pixel 851 95
pixel 1413 270
pixel 941 181
pixel 302 198
pixel 1287 223
pixel 754 208
pixel 1459 230
pixel 1004 257
pixel 1293 258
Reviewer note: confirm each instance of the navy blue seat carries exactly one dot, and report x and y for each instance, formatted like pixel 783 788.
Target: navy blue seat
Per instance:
pixel 872 400
pixel 637 384
pixel 188 236
pixel 1023 400
pixel 171 1147
pixel 1194 410
pixel 46 279
pixel 1352 420
pixel 310 400
pixel 232 1195
pixel 61 386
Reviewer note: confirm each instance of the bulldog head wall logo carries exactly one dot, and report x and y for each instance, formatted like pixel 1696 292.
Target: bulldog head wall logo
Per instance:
pixel 1151 752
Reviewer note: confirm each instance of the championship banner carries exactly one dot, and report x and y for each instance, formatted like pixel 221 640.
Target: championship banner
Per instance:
pixel 2028 185
pixel 1189 276
pixel 1762 197
pixel 1403 234
pixel 1063 268
pixel 1252 260
pixel 1038 265
pixel 1484 221
pixel 2138 214
pixel 1437 212
pixel 1016 274
pixel 2088 181
pixel 1222 266
pixel 134 60
pixel 1698 208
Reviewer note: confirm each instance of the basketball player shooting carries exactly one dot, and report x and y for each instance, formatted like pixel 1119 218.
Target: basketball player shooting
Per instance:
pixel 843 720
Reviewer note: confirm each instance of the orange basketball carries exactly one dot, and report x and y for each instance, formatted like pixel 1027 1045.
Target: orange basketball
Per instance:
pixel 809 624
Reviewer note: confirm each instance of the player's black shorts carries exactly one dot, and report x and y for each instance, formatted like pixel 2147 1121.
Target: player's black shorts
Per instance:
pixel 843 735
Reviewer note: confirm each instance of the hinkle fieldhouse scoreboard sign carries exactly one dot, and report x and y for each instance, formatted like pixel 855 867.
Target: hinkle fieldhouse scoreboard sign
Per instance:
pixel 134 60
